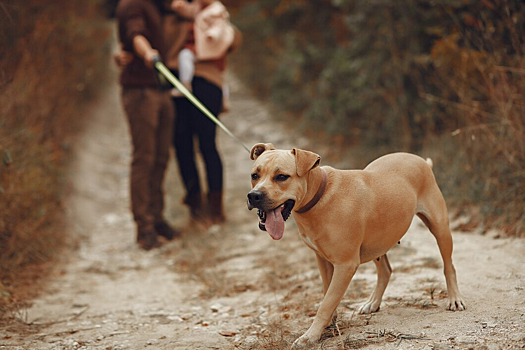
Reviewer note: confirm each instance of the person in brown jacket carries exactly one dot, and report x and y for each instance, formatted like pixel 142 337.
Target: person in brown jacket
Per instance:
pixel 150 115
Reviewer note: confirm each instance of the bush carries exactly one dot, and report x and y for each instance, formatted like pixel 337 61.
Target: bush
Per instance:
pixel 445 78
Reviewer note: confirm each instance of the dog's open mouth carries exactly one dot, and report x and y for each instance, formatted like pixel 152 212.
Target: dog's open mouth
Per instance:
pixel 273 221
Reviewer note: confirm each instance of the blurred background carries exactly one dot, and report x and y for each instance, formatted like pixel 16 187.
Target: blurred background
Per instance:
pixel 443 79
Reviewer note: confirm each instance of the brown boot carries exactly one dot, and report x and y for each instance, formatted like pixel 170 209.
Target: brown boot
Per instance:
pixel 216 208
pixel 163 229
pixel 148 239
pixel 197 208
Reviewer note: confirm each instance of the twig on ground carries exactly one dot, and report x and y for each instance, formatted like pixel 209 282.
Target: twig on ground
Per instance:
pixel 393 336
pixel 33 323
pixel 79 313
pixel 118 333
pixel 338 331
pixel 71 331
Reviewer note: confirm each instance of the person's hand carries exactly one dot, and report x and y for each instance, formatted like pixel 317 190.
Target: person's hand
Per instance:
pixel 150 56
pixel 185 9
pixel 178 5
pixel 123 58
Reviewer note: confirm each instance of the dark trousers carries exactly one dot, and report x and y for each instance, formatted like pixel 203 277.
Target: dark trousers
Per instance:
pixel 190 122
pixel 150 116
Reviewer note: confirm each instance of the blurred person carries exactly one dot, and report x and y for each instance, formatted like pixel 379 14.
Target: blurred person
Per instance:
pixel 150 115
pixel 191 123
pixel 207 86
pixel 209 38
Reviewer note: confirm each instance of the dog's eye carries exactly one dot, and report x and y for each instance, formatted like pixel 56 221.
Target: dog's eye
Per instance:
pixel 282 177
pixel 255 177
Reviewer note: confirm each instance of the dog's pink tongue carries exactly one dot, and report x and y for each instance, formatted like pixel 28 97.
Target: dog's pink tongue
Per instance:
pixel 275 223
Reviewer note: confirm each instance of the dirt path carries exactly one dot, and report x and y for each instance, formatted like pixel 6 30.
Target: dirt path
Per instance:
pixel 233 287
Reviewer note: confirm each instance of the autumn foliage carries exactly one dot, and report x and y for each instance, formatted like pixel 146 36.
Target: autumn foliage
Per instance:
pixel 51 60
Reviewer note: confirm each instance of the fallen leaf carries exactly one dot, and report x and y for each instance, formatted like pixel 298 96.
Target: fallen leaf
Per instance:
pixel 242 287
pixel 228 334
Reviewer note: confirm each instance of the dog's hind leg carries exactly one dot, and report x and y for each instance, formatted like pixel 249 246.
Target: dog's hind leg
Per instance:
pixel 435 217
pixel 383 276
pixel 444 240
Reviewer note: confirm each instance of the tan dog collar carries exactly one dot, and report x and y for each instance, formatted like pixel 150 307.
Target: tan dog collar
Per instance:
pixel 318 195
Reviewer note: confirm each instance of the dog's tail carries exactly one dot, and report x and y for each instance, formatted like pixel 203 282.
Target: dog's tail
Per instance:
pixel 430 162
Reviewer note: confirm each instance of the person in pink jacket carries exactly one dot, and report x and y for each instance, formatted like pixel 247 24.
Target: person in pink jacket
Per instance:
pixel 209 38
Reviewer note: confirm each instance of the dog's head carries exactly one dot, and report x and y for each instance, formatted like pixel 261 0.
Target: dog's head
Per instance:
pixel 279 182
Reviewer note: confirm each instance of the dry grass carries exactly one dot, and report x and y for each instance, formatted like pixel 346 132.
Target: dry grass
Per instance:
pixel 56 59
pixel 276 334
pixel 376 337
pixel 481 164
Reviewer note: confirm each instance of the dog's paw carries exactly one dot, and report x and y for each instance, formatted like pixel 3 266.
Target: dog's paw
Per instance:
pixel 369 307
pixel 303 342
pixel 456 304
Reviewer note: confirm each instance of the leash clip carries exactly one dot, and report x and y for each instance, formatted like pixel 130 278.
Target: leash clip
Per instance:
pixel 156 59
pixel 161 79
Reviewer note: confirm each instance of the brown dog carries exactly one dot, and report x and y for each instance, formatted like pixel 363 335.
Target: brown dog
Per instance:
pixel 349 217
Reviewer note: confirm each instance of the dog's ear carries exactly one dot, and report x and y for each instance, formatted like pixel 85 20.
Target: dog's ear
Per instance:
pixel 305 160
pixel 259 148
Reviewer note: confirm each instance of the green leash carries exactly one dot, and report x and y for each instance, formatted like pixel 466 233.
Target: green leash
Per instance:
pixel 175 82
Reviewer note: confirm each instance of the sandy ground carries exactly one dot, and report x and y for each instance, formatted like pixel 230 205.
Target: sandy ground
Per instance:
pixel 232 286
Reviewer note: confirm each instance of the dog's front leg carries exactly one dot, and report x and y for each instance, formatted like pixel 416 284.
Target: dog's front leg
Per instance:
pixel 326 268
pixel 340 280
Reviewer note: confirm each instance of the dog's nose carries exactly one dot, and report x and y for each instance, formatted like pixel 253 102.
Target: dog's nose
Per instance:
pixel 255 197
